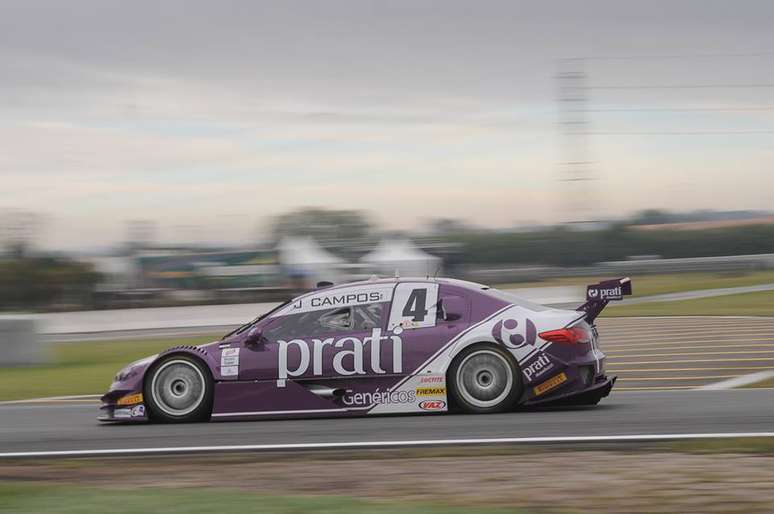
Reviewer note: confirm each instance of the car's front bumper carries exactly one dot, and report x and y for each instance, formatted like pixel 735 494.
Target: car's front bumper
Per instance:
pixel 123 407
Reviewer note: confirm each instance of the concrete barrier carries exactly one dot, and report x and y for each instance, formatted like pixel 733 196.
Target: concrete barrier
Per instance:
pixel 20 342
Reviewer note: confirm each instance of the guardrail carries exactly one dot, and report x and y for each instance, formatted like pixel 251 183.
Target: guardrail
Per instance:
pixel 728 263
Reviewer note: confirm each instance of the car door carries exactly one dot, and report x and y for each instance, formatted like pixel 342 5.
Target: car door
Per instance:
pixel 419 316
pixel 328 335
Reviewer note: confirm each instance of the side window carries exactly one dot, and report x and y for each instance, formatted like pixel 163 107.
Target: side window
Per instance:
pixel 452 308
pixel 308 324
pixel 339 320
pixel 414 305
pixel 367 317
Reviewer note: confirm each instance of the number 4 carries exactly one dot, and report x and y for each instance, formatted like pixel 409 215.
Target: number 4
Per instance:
pixel 416 305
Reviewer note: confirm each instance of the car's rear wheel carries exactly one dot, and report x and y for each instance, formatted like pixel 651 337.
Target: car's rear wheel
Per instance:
pixel 484 378
pixel 179 389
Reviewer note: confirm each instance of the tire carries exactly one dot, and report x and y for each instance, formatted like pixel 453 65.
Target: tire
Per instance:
pixel 179 389
pixel 484 379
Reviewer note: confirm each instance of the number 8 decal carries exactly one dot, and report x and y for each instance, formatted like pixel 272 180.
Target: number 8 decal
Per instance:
pixel 414 305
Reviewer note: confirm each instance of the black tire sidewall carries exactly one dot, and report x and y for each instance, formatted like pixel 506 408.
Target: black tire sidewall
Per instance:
pixel 201 413
pixel 459 403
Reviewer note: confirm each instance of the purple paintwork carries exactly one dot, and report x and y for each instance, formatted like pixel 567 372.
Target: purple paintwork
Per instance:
pixel 397 365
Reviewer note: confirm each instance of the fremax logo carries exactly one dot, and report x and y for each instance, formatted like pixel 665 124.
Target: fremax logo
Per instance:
pixel 311 354
pixel 509 333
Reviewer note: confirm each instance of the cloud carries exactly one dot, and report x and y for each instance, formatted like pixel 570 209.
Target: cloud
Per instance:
pixel 188 111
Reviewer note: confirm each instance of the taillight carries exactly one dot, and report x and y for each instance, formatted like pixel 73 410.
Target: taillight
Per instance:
pixel 572 335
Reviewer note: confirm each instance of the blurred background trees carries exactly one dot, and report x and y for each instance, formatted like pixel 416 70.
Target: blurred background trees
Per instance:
pixel 30 279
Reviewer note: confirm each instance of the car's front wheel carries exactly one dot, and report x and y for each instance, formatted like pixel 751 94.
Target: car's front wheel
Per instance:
pixel 179 389
pixel 483 378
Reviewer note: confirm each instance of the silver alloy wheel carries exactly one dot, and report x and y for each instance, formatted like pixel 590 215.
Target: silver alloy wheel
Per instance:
pixel 178 387
pixel 484 378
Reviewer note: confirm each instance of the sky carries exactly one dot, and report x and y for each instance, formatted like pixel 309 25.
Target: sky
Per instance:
pixel 209 118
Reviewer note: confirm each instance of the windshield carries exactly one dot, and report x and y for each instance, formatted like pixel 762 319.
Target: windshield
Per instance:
pixel 244 327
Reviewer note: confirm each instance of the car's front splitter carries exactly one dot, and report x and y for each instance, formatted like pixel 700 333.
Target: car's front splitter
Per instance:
pixel 123 406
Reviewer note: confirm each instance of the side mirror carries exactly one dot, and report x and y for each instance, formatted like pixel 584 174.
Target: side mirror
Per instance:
pixel 254 336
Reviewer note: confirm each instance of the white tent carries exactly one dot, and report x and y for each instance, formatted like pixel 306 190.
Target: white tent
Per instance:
pixel 303 258
pixel 402 256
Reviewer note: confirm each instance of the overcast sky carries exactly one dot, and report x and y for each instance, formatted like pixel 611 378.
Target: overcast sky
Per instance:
pixel 210 117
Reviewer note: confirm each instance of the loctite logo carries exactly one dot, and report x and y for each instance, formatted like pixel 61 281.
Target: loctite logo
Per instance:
pixel 432 405
pixel 364 355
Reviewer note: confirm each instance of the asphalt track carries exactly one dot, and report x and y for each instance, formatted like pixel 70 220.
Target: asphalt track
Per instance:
pixel 73 427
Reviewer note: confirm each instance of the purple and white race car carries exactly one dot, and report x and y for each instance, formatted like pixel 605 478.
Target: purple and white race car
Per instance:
pixel 381 346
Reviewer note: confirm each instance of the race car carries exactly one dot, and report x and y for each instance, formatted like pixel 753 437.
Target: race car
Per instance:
pixel 381 346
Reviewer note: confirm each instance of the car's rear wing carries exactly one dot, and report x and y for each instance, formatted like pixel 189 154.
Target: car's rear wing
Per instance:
pixel 597 296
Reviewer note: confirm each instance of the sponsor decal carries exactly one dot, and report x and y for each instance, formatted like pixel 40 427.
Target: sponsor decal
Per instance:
pixel 229 371
pixel 513 335
pixel 435 379
pixel 431 391
pixel 409 323
pixel 122 413
pixel 229 362
pixel 346 299
pixel 340 300
pixel 379 398
pixel 550 384
pixel 414 306
pixel 610 293
pixel 538 367
pixel 130 399
pixel 138 411
pixel 365 353
pixel 432 405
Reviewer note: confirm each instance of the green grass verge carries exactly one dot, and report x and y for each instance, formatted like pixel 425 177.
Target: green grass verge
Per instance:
pixel 746 304
pixel 45 499
pixel 81 368
pixel 647 285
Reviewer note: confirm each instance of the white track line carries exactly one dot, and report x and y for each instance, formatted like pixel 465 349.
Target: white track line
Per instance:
pixel 54 399
pixel 739 381
pixel 386 444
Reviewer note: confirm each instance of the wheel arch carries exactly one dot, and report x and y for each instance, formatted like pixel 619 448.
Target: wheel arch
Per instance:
pixel 460 347
pixel 192 353
pixel 445 364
